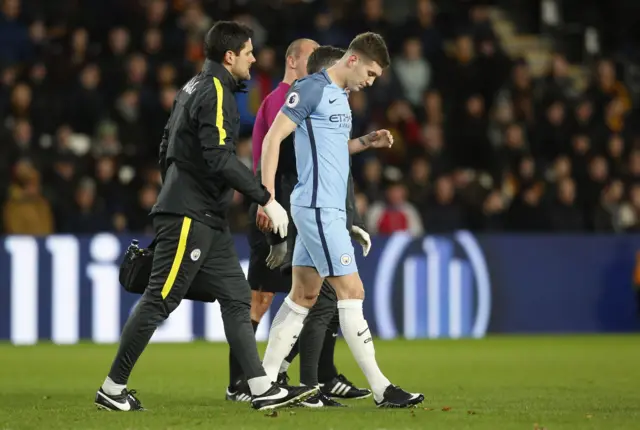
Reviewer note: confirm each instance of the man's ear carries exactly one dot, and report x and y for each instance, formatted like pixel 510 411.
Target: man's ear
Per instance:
pixel 229 57
pixel 291 62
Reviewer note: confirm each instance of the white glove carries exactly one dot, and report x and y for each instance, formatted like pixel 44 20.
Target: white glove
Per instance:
pixel 363 239
pixel 278 217
pixel 276 255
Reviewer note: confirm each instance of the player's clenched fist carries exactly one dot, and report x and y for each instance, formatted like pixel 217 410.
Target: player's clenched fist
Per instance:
pixel 380 139
pixel 278 217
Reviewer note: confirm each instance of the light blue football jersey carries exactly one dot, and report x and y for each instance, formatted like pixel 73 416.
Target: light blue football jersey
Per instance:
pixel 321 110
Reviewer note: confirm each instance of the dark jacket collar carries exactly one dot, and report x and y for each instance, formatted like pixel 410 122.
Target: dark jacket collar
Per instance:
pixel 216 69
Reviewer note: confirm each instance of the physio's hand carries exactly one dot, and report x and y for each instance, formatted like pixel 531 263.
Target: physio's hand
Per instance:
pixel 363 239
pixel 262 221
pixel 277 255
pixel 380 139
pixel 278 217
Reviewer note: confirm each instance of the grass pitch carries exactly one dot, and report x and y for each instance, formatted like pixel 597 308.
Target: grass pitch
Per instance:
pixel 503 383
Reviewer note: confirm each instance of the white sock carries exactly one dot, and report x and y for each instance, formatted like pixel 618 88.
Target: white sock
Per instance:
pixel 285 329
pixel 284 366
pixel 352 323
pixel 111 388
pixel 259 385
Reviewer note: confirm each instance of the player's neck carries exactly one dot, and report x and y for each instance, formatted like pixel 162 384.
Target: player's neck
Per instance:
pixel 337 75
pixel 289 77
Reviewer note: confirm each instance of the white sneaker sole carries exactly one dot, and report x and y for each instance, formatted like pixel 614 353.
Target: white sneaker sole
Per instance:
pixel 299 399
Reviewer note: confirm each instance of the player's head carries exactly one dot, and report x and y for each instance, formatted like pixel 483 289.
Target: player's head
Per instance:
pixel 324 57
pixel 229 43
pixel 366 58
pixel 297 56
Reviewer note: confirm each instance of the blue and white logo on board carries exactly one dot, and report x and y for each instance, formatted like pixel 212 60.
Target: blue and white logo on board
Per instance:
pixel 446 291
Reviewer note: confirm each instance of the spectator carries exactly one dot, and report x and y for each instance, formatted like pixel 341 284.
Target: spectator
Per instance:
pixel 395 214
pixel 15 45
pixel 87 216
pixel 444 212
pixel 138 218
pixel 26 210
pixel 513 149
pixel 566 215
pixel 413 71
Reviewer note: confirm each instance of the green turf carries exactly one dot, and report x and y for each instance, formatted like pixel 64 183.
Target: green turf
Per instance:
pixel 496 383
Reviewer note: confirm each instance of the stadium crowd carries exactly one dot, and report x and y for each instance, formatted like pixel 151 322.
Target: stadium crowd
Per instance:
pixel 86 88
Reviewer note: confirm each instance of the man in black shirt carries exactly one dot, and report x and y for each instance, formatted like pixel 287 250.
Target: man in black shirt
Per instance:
pixel 193 244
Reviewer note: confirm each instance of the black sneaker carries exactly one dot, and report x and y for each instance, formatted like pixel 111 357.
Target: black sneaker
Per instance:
pixel 281 396
pixel 342 388
pixel 240 392
pixel 125 401
pixel 396 397
pixel 321 401
pixel 283 378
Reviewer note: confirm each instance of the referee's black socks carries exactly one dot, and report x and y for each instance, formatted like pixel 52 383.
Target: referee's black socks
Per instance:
pixel 326 366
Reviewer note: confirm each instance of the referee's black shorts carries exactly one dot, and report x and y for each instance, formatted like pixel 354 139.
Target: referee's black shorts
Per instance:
pixel 260 277
pixel 191 256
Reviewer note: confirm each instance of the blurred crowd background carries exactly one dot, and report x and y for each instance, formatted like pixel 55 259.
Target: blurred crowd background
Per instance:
pixel 485 140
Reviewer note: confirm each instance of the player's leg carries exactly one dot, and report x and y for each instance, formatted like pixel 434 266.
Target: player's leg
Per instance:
pixel 288 322
pixel 286 271
pixel 318 341
pixel 312 338
pixel 305 285
pixel 176 262
pixel 222 271
pixel 345 279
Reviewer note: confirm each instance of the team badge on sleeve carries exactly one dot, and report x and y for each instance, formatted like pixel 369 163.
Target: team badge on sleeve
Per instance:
pixel 293 99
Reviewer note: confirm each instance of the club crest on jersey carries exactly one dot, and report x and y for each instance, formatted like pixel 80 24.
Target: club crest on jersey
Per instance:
pixel 345 259
pixel 195 254
pixel 293 99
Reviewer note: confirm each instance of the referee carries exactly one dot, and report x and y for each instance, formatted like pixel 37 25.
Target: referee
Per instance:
pixel 194 245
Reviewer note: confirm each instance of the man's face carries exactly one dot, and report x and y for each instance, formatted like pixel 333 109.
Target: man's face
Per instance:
pixel 241 63
pixel 363 72
pixel 300 62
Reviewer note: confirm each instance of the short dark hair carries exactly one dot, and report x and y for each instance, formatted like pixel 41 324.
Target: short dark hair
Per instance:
pixel 225 36
pixel 372 46
pixel 323 57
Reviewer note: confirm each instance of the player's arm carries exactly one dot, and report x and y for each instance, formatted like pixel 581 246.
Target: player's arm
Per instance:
pixel 375 139
pixel 219 156
pixel 303 99
pixel 281 128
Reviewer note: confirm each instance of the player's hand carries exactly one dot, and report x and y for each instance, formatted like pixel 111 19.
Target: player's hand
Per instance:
pixel 278 217
pixel 380 139
pixel 363 239
pixel 262 221
pixel 277 255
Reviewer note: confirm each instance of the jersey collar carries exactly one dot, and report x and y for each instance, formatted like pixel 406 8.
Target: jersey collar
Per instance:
pixel 213 68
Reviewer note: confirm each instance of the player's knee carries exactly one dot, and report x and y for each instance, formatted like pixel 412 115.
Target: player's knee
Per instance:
pixel 303 295
pixel 260 303
pixel 348 287
pixel 151 304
